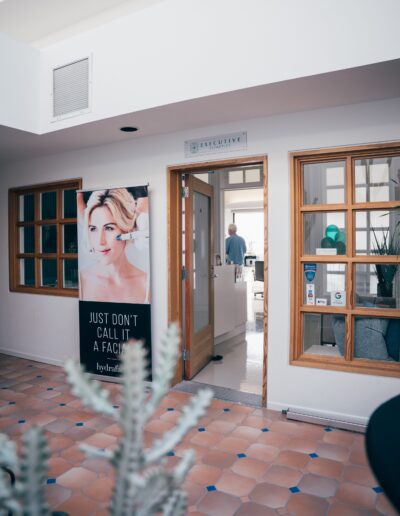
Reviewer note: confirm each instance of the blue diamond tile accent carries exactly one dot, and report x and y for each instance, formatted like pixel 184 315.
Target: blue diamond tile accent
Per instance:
pixel 313 455
pixel 294 489
pixel 50 388
pixel 170 454
pixel 62 404
pixel 378 489
pixel 170 409
pixel 29 365
pixel 211 488
pixel 265 429
pixel 201 429
pixel 39 376
pixel 115 406
pixel 11 402
pixel 227 409
pixel 21 421
pixel 51 481
pixel 328 429
pixel 241 455
pixel 78 424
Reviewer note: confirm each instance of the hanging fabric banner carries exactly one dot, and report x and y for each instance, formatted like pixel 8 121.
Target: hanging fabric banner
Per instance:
pixel 114 275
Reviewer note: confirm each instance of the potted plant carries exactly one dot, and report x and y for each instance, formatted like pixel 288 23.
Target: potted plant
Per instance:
pixel 385 272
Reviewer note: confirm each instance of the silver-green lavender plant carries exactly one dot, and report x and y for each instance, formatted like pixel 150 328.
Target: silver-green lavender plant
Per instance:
pixel 143 486
pixel 25 496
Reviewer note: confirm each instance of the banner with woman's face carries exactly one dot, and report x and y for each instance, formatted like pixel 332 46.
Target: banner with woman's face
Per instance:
pixel 114 274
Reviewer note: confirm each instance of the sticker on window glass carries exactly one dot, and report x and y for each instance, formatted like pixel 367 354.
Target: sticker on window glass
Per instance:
pixel 338 298
pixel 310 298
pixel 309 271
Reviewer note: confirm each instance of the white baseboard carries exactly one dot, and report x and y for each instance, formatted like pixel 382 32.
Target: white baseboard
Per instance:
pixel 29 356
pixel 348 418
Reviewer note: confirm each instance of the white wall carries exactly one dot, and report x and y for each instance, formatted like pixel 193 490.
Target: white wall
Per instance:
pixel 185 49
pixel 47 327
pixel 19 85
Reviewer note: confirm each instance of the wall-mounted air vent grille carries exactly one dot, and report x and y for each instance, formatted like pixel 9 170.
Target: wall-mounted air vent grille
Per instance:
pixel 71 88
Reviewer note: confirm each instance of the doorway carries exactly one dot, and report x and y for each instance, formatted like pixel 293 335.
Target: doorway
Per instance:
pixel 184 272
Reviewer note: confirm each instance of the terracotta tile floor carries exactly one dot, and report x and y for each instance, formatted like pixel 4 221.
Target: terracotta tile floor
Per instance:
pixel 249 461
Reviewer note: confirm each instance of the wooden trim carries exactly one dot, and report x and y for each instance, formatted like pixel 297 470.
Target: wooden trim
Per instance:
pixel 14 225
pixel 350 311
pixel 266 269
pixel 174 223
pixel 371 150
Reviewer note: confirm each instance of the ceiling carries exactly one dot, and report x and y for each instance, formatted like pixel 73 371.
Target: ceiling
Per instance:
pixel 363 84
pixel 43 22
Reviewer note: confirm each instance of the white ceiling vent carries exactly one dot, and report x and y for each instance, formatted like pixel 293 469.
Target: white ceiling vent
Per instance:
pixel 71 88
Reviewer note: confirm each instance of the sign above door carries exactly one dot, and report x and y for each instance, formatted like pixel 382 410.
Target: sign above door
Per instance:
pixel 216 144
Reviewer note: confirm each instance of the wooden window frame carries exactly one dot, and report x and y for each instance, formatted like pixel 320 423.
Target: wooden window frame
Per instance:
pixel 59 221
pixel 346 363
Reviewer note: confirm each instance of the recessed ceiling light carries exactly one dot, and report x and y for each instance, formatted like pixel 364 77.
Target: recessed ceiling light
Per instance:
pixel 128 129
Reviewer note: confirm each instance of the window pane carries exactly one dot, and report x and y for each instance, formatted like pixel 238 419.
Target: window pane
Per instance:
pixel 49 239
pixel 27 239
pixel 252 175
pixel 377 179
pixel 323 334
pixel 320 178
pixel 70 241
pixel 69 204
pixel 377 338
pixel 324 233
pixel 48 205
pixel 26 208
pixel 49 272
pixel 330 278
pixel 27 272
pixel 378 285
pixel 235 177
pixel 381 232
pixel 70 274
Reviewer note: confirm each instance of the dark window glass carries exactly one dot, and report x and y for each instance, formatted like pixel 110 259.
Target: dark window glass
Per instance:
pixel 70 238
pixel 49 273
pixel 71 273
pixel 69 204
pixel 49 205
pixel 27 239
pixel 27 272
pixel 49 239
pixel 26 207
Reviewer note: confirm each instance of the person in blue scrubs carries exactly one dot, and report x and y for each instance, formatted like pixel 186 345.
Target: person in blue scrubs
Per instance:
pixel 235 246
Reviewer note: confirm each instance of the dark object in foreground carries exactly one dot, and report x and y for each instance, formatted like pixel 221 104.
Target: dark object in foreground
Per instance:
pixel 383 448
pixel 216 358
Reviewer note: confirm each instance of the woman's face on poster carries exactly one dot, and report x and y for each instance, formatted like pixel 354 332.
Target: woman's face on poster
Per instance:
pixel 103 232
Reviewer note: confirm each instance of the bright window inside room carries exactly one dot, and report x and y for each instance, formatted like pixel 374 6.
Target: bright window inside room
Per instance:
pixel 346 263
pixel 43 238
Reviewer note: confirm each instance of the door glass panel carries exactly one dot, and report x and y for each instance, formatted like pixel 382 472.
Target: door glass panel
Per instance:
pixel 70 238
pixel 377 180
pixel 201 266
pixel 323 334
pixel 324 183
pixel 325 233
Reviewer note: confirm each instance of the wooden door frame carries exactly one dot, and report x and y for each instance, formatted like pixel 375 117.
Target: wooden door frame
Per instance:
pixel 174 228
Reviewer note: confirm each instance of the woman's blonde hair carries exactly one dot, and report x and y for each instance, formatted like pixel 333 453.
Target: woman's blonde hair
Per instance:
pixel 121 204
